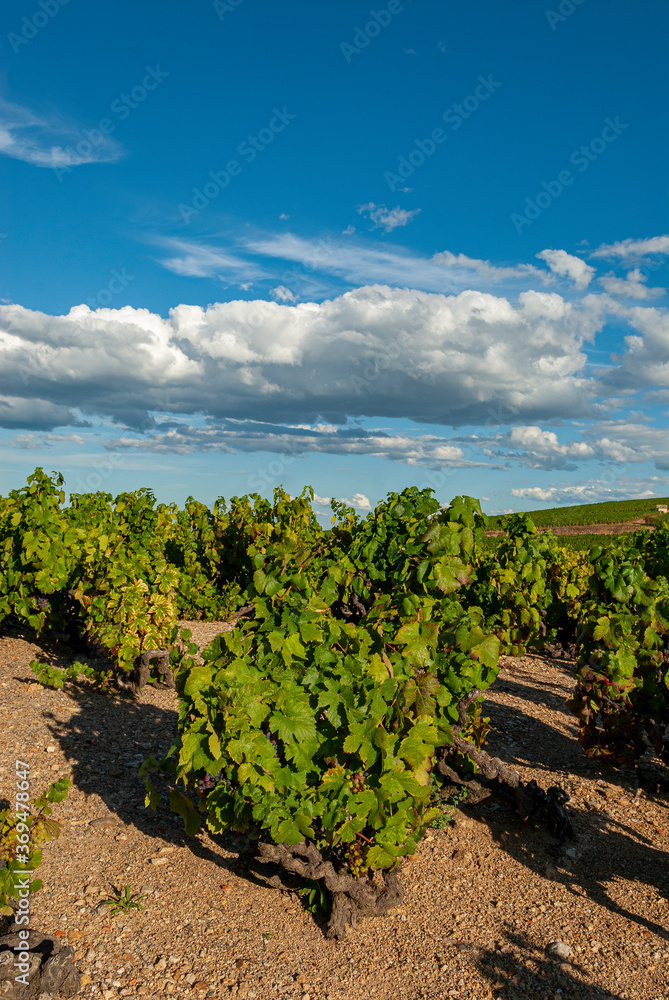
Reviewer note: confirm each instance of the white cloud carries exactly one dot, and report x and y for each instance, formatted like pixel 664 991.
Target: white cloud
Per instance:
pixel 371 352
pixel 388 218
pixel 50 141
pixel 360 502
pixel 283 294
pixel 596 491
pixel 196 260
pixel 488 272
pixel 348 231
pixel 632 286
pixel 633 248
pixel 566 265
pixel 363 262
pixel 230 436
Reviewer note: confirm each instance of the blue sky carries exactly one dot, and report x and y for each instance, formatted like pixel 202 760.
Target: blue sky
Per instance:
pixel 246 243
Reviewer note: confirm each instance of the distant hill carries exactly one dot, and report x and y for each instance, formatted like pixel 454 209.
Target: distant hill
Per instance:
pixel 611 512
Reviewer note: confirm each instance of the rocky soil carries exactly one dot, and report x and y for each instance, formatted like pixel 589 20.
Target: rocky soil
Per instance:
pixel 493 908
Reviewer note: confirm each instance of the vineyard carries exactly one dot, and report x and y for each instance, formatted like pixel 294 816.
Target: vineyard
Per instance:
pixel 343 704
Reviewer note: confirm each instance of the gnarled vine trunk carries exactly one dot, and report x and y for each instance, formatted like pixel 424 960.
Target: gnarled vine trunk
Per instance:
pixel 351 897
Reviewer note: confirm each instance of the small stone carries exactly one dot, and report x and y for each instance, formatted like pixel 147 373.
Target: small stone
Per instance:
pixel 91 889
pixel 204 986
pixel 596 946
pixel 190 978
pixel 50 749
pixel 160 964
pixel 570 852
pixel 85 979
pixel 159 861
pixel 80 902
pixel 74 935
pixel 104 823
pixel 565 967
pixel 91 955
pixel 558 949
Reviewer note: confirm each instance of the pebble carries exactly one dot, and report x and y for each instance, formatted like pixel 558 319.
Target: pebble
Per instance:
pixel 559 949
pixel 104 823
pixel 85 979
pixel 50 748
pixel 160 964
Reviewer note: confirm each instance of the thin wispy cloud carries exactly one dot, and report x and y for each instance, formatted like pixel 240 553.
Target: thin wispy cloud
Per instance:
pixel 199 260
pixel 633 248
pixel 50 141
pixel 359 261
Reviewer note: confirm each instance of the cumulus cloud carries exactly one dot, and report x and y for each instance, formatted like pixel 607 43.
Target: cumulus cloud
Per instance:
pixel 595 491
pixel 538 449
pixel 645 362
pixel 50 141
pixel 372 352
pixel 567 266
pixel 608 442
pixel 632 286
pixel 387 218
pixel 633 248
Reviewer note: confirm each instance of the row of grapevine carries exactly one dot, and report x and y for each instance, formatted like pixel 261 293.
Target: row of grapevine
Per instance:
pixel 354 678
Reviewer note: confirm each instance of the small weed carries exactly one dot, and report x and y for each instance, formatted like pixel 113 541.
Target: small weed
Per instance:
pixel 124 902
pixel 448 808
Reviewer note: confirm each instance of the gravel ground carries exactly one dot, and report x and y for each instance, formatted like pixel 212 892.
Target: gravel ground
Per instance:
pixel 493 908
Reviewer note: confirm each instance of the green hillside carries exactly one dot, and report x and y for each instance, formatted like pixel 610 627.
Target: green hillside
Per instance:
pixel 592 513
